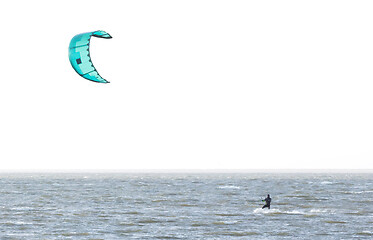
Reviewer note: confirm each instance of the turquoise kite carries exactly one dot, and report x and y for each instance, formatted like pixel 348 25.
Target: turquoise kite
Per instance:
pixel 79 55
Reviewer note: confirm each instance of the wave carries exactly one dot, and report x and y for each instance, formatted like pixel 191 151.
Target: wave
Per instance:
pixel 358 213
pixel 355 192
pixel 188 205
pixel 233 233
pixel 365 233
pixel 229 187
pixel 224 222
pixel 333 221
pixel 133 213
pixel 361 192
pixel 228 214
pixel 151 220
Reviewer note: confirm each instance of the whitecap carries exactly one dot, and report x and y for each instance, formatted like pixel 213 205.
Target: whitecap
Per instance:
pixel 265 211
pixel 290 212
pixel 318 210
pixel 326 182
pixel 361 192
pixel 294 212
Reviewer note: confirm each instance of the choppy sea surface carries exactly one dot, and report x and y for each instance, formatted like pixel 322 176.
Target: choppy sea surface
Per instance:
pixel 185 206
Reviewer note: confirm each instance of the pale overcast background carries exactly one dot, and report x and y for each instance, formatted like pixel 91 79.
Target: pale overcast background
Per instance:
pixel 194 85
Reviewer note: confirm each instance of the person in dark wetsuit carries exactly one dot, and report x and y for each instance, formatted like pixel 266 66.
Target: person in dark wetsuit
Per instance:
pixel 268 202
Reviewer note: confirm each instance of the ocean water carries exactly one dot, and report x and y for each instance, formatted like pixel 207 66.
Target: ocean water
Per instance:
pixel 185 206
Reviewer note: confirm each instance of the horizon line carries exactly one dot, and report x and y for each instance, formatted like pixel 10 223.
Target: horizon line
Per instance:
pixel 176 170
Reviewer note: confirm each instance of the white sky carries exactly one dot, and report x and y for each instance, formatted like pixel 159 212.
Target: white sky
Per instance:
pixel 194 85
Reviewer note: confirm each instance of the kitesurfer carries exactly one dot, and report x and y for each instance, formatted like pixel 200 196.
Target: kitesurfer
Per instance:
pixel 268 202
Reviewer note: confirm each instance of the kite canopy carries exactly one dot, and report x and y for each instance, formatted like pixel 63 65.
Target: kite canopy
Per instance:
pixel 80 58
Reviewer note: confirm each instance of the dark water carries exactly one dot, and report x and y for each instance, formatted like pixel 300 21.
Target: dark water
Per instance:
pixel 185 206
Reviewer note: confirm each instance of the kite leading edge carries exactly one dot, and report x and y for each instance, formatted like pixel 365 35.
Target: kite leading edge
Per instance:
pixel 80 58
